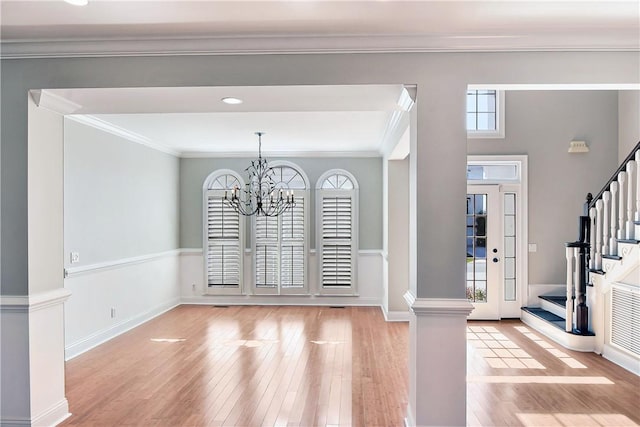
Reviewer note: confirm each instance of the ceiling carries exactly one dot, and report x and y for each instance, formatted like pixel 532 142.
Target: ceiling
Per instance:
pixel 296 119
pixel 53 27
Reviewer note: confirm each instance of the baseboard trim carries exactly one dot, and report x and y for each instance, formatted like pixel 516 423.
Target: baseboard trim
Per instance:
pixel 105 335
pixel 409 421
pixel 310 300
pixel 395 316
pixel 54 415
pixel 118 263
pixel 621 358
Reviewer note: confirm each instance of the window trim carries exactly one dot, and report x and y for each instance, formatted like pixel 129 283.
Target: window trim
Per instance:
pixel 279 290
pixel 220 290
pixel 499 132
pixel 355 215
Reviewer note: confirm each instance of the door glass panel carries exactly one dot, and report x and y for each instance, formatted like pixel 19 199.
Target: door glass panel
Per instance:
pixel 509 247
pixel 476 269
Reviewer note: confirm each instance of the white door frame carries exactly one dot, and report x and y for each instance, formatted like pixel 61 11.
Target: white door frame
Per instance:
pixel 511 309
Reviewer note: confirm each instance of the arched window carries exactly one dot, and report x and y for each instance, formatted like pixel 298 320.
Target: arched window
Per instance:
pixel 223 244
pixel 337 232
pixel 280 243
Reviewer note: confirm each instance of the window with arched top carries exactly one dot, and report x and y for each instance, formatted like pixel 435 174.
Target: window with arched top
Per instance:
pixel 223 244
pixel 337 232
pixel 280 243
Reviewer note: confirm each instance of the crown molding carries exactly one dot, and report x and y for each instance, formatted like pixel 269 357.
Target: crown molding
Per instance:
pixel 277 154
pixel 105 126
pixel 56 103
pixel 256 45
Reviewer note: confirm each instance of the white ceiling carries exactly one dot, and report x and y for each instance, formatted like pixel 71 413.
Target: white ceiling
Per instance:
pixel 297 120
pixel 113 26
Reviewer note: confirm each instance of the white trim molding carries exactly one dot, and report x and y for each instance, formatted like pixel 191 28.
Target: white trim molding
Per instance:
pixel 118 263
pixel 53 416
pixel 105 126
pixel 438 306
pixel 34 302
pixel 53 102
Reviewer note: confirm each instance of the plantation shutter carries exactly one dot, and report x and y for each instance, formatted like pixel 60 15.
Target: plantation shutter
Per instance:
pixel 266 257
pixel 292 257
pixel 223 243
pixel 337 241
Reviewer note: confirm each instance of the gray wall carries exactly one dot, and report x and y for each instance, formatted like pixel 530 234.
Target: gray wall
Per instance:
pixel 120 198
pixel 628 122
pixel 541 124
pixel 368 172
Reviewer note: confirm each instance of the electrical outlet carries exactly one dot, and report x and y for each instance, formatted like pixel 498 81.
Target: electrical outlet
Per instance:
pixel 75 257
pixel 113 312
pixel 193 287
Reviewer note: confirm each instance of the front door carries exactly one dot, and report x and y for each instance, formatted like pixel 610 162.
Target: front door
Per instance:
pixel 484 239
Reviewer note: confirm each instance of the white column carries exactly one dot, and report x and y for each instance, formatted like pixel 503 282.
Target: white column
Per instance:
pixel 592 239
pixel 598 255
pixel 631 198
pixel 569 306
pixel 622 223
pixel 439 381
pixel 606 200
pixel 613 242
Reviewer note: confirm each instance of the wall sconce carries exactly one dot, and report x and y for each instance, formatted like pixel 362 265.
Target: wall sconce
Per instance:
pixel 578 147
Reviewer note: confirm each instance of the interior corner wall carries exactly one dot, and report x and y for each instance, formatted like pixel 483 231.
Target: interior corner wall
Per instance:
pixel 398 213
pixel 121 215
pixel 628 122
pixel 541 124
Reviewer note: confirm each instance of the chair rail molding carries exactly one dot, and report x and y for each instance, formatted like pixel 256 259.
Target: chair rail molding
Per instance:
pixel 438 306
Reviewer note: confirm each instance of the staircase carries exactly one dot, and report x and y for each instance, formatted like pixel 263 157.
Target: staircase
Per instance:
pixel 600 310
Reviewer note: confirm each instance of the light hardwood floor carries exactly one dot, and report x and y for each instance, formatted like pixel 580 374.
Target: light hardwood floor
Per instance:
pixel 321 366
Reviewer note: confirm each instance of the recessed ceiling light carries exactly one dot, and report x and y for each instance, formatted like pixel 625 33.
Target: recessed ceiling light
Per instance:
pixel 231 101
pixel 78 2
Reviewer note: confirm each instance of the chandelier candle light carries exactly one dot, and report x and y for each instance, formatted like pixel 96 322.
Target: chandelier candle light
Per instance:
pixel 261 195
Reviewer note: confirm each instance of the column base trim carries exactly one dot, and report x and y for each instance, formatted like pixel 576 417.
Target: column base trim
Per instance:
pixel 437 306
pixel 54 415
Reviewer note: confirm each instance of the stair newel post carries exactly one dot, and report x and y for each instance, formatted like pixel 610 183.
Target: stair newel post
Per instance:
pixel 598 231
pixel 613 242
pixel 592 239
pixel 622 178
pixel 637 214
pixel 631 169
pixel 606 199
pixel 582 311
pixel 570 274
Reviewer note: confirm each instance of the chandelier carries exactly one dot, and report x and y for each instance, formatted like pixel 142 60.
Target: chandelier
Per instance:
pixel 260 196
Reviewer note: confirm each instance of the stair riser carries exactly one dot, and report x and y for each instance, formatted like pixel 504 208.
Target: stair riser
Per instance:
pixel 553 308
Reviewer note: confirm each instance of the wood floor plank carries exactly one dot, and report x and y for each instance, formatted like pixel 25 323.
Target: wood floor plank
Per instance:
pixel 318 366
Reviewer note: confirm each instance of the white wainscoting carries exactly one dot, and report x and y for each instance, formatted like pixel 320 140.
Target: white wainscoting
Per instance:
pixel 370 287
pixel 137 289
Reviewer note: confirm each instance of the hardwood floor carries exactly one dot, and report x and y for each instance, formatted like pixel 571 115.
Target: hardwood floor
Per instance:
pixel 321 366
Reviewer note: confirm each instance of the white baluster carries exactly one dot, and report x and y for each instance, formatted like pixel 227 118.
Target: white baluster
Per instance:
pixel 569 306
pixel 613 242
pixel 599 206
pixel 637 215
pixel 606 199
pixel 631 198
pixel 592 239
pixel 622 178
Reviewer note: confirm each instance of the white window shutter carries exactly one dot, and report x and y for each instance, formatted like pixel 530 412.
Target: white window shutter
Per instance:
pixel 337 241
pixel 223 251
pixel 292 256
pixel 266 256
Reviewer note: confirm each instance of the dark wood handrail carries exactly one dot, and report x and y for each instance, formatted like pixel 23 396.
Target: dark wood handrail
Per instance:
pixel 615 175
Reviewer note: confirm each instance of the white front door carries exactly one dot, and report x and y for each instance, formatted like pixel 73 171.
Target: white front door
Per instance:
pixel 484 255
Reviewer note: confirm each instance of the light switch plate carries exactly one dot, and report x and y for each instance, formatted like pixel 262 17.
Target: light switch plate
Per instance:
pixel 533 247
